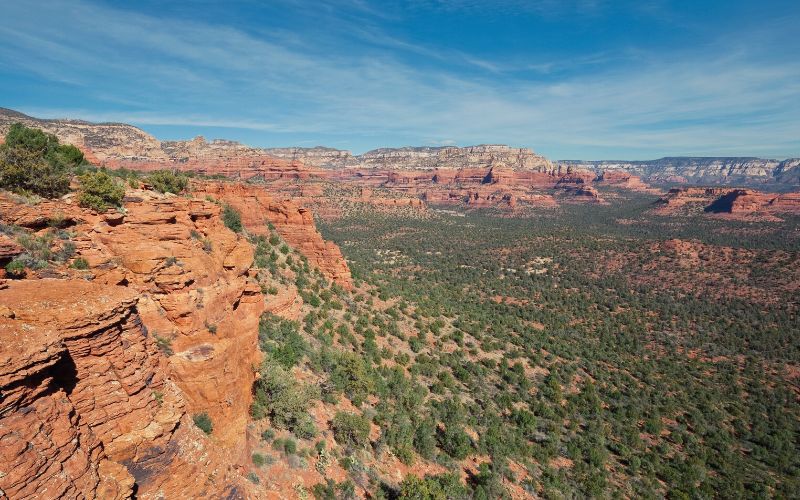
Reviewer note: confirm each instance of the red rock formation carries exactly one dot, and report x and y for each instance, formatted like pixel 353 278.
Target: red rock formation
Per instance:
pixel 295 224
pixel 749 201
pixel 87 408
pixel 8 248
pixel 625 180
pixel 157 248
pixel 680 197
pixel 786 203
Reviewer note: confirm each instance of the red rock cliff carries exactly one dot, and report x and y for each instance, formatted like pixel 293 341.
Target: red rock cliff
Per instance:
pixel 293 222
pixel 87 409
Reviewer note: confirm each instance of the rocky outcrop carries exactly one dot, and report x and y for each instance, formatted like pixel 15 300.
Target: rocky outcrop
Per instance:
pixel 430 158
pixel 8 249
pixel 195 293
pixel 702 170
pixel 88 409
pixel 294 223
pixel 739 202
pixel 788 172
pixel 118 145
pixel 100 141
pixel 319 156
pixel 624 180
pixel 676 198
pixel 419 158
pixel 749 201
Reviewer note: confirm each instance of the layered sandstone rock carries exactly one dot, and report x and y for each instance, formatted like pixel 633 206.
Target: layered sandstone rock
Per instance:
pixel 100 141
pixel 192 275
pixel 676 198
pixel 294 223
pixel 8 248
pixel 429 158
pixel 694 170
pixel 120 145
pixel 625 180
pixel 88 410
pixel 748 201
pixel 316 157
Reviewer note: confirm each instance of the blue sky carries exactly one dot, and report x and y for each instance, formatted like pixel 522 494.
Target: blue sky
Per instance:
pixel 572 79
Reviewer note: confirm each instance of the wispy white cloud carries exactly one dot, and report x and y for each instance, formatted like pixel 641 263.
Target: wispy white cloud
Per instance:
pixel 166 71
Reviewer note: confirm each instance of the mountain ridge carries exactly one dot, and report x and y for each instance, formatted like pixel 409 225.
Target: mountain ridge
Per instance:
pixel 110 142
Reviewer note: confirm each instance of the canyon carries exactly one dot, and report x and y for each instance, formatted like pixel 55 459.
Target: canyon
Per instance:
pixel 117 145
pixel 144 318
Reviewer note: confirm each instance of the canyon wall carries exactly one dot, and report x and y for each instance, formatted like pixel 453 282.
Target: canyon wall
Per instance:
pixel 419 158
pixel 294 223
pixel 118 145
pixel 703 170
pixel 88 408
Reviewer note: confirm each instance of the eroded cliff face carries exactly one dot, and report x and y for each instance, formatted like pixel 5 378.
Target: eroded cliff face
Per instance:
pixel 748 204
pixel 419 158
pixel 475 176
pixel 703 170
pixel 103 366
pixel 195 292
pixel 118 145
pixel 293 222
pixel 88 410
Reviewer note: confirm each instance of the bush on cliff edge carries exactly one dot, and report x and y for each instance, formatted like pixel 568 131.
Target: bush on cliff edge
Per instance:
pixel 203 421
pixel 33 162
pixel 167 181
pixel 99 191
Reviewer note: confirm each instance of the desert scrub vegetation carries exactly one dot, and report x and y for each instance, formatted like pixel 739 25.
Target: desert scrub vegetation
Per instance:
pixel 350 430
pixel 40 250
pixel 100 191
pixel 232 219
pixel 279 396
pixel 203 422
pixel 80 263
pixel 164 344
pixel 167 181
pixel 34 163
pixel 280 338
pixel 546 342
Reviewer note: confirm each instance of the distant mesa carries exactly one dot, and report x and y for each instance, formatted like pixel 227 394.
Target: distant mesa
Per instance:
pixel 487 175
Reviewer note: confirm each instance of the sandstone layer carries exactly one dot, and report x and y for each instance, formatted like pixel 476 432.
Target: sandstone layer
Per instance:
pixel 120 145
pixel 703 170
pixel 88 409
pixel 294 223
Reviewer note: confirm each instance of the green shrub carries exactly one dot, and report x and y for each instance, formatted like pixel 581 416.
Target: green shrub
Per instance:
pixel 167 181
pixel 32 162
pixel 259 460
pixel 80 263
pixel 350 429
pixel 15 269
pixel 99 191
pixel 281 339
pixel 350 375
pixel 203 421
pixel 164 344
pixel 232 219
pixel 253 477
pixel 455 442
pixel 279 396
pixel 37 250
pixel 207 246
